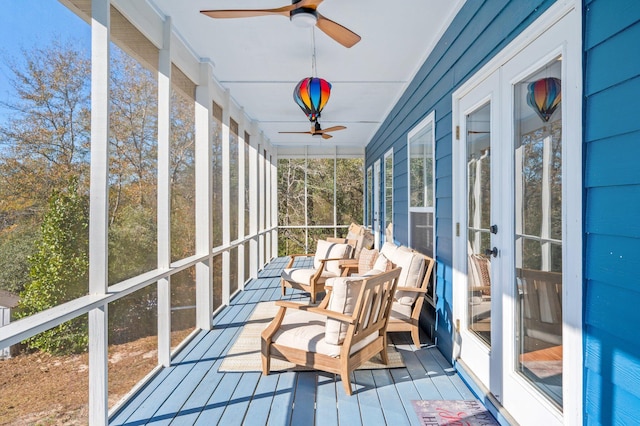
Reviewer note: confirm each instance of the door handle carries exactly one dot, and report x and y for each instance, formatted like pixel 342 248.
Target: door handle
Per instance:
pixel 491 252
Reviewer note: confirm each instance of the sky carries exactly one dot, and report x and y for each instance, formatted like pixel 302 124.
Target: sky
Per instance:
pixel 25 23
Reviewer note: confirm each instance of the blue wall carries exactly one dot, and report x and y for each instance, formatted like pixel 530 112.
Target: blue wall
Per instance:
pixel 479 31
pixel 612 215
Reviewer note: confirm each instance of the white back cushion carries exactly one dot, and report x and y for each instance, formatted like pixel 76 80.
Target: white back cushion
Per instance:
pixel 412 265
pixel 327 250
pixel 344 295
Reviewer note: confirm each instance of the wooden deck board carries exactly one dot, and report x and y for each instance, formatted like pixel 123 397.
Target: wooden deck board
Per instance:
pixel 193 391
pixel 326 403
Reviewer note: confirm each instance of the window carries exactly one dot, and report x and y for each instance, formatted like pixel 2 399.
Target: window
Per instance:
pixel 421 152
pixel 421 187
pixel 388 195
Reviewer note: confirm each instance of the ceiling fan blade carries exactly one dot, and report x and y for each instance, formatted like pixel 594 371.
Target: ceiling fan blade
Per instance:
pixel 341 34
pixel 248 13
pixel 298 133
pixel 311 4
pixel 326 136
pixel 333 129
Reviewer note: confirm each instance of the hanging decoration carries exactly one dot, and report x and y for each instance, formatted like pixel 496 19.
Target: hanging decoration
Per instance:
pixel 544 96
pixel 311 94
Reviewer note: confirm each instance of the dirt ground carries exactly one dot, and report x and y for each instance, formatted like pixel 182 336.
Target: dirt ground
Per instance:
pixel 40 389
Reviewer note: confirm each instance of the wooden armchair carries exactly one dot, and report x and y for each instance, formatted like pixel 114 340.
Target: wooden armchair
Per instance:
pixel 413 283
pixel 340 335
pixel 325 266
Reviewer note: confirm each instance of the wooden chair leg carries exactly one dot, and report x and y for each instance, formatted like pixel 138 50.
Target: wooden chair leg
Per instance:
pixel 346 381
pixel 266 358
pixel 383 353
pixel 415 335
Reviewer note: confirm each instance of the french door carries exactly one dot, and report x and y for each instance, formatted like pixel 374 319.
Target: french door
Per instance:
pixel 517 243
pixel 478 308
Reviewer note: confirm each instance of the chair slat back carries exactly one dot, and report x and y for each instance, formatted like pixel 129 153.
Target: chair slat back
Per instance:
pixel 373 306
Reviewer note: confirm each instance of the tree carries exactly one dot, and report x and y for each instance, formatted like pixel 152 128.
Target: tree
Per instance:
pixel 59 270
pixel 44 141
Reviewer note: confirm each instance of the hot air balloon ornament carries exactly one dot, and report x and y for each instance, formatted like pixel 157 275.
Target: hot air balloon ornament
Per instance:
pixel 311 94
pixel 544 96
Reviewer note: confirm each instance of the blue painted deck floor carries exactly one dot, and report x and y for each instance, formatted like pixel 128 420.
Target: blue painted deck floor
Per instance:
pixel 192 391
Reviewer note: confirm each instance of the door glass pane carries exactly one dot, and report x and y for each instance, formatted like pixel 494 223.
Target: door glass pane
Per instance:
pixel 538 224
pixel 479 216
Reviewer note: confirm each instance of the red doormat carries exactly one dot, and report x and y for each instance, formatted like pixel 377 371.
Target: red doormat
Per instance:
pixel 453 413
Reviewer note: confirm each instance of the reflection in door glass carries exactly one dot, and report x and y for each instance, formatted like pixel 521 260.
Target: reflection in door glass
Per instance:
pixel 538 229
pixel 479 216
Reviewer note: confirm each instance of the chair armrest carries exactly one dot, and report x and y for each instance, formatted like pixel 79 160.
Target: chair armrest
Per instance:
pixel 316 310
pixel 348 266
pixel 323 263
pixel 412 289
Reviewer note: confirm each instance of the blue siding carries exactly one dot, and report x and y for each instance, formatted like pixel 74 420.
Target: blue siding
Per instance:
pixel 612 216
pixel 477 33
pixel 611 176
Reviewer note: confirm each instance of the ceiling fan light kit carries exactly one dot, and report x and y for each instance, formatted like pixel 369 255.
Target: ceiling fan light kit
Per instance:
pixel 304 17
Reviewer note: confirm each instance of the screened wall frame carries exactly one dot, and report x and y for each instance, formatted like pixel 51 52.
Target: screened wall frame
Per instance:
pixel 421 199
pixel 171 56
pixel 309 231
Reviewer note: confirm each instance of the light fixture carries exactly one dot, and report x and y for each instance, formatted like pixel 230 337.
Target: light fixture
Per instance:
pixel 304 17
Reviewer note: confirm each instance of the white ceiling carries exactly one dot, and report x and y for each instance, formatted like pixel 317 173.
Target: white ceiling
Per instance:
pixel 261 59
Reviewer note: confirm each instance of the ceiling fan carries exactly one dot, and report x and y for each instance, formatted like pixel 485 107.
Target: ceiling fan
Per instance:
pixel 302 13
pixel 316 130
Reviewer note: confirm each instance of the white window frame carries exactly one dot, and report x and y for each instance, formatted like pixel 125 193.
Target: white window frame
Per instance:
pixel 387 220
pixel 429 120
pixel 418 129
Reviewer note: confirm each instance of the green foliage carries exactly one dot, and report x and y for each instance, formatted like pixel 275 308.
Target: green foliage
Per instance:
pixel 59 270
pixel 16 244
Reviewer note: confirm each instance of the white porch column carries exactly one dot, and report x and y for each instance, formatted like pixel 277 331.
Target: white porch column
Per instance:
pixel 261 201
pixel 241 188
pixel 273 199
pixel 204 197
pixel 164 194
pixel 99 211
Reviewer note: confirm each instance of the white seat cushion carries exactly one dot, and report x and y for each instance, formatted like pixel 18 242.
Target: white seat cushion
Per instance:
pixel 344 295
pixel 305 331
pixel 400 312
pixel 303 276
